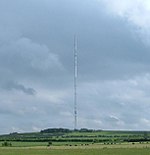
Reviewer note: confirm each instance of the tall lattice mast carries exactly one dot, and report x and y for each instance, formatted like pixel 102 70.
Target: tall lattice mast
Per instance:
pixel 75 81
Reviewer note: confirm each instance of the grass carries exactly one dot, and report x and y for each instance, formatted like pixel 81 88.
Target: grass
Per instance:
pixel 78 145
pixel 72 143
pixel 106 151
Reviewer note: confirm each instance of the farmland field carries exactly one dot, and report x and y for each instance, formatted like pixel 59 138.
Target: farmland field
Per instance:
pixel 81 142
pixel 45 151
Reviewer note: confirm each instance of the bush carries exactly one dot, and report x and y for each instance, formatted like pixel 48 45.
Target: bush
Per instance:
pixel 6 144
pixel 49 144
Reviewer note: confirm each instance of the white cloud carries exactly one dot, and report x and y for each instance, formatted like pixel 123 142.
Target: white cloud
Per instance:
pixel 136 12
pixel 118 104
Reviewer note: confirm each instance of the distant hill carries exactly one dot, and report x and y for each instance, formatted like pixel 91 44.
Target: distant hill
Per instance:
pixel 81 135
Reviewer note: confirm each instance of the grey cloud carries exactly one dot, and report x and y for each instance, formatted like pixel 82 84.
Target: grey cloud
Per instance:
pixel 36 51
pixel 97 35
pixel 19 87
pixel 119 104
pixel 25 60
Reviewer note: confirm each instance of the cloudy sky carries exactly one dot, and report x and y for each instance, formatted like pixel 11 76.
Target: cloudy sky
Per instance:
pixel 36 64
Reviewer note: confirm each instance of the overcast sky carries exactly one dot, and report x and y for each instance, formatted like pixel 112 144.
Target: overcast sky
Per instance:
pixel 36 64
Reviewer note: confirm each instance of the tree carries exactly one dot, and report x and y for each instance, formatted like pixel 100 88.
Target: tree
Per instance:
pixel 6 144
pixel 49 143
pixel 145 135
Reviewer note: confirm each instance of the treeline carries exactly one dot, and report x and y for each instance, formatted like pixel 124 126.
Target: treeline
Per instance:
pixel 57 140
pixel 56 130
pixel 78 140
pixel 63 130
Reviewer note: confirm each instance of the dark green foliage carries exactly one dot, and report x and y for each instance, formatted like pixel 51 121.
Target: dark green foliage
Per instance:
pixel 49 143
pixel 6 144
pixel 55 130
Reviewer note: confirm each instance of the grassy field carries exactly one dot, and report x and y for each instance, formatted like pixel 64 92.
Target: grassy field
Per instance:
pixel 95 149
pixel 46 151
pixel 76 143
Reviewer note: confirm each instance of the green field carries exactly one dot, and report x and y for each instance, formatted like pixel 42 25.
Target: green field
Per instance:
pixel 41 151
pixel 95 149
pixel 81 142
pixel 80 136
